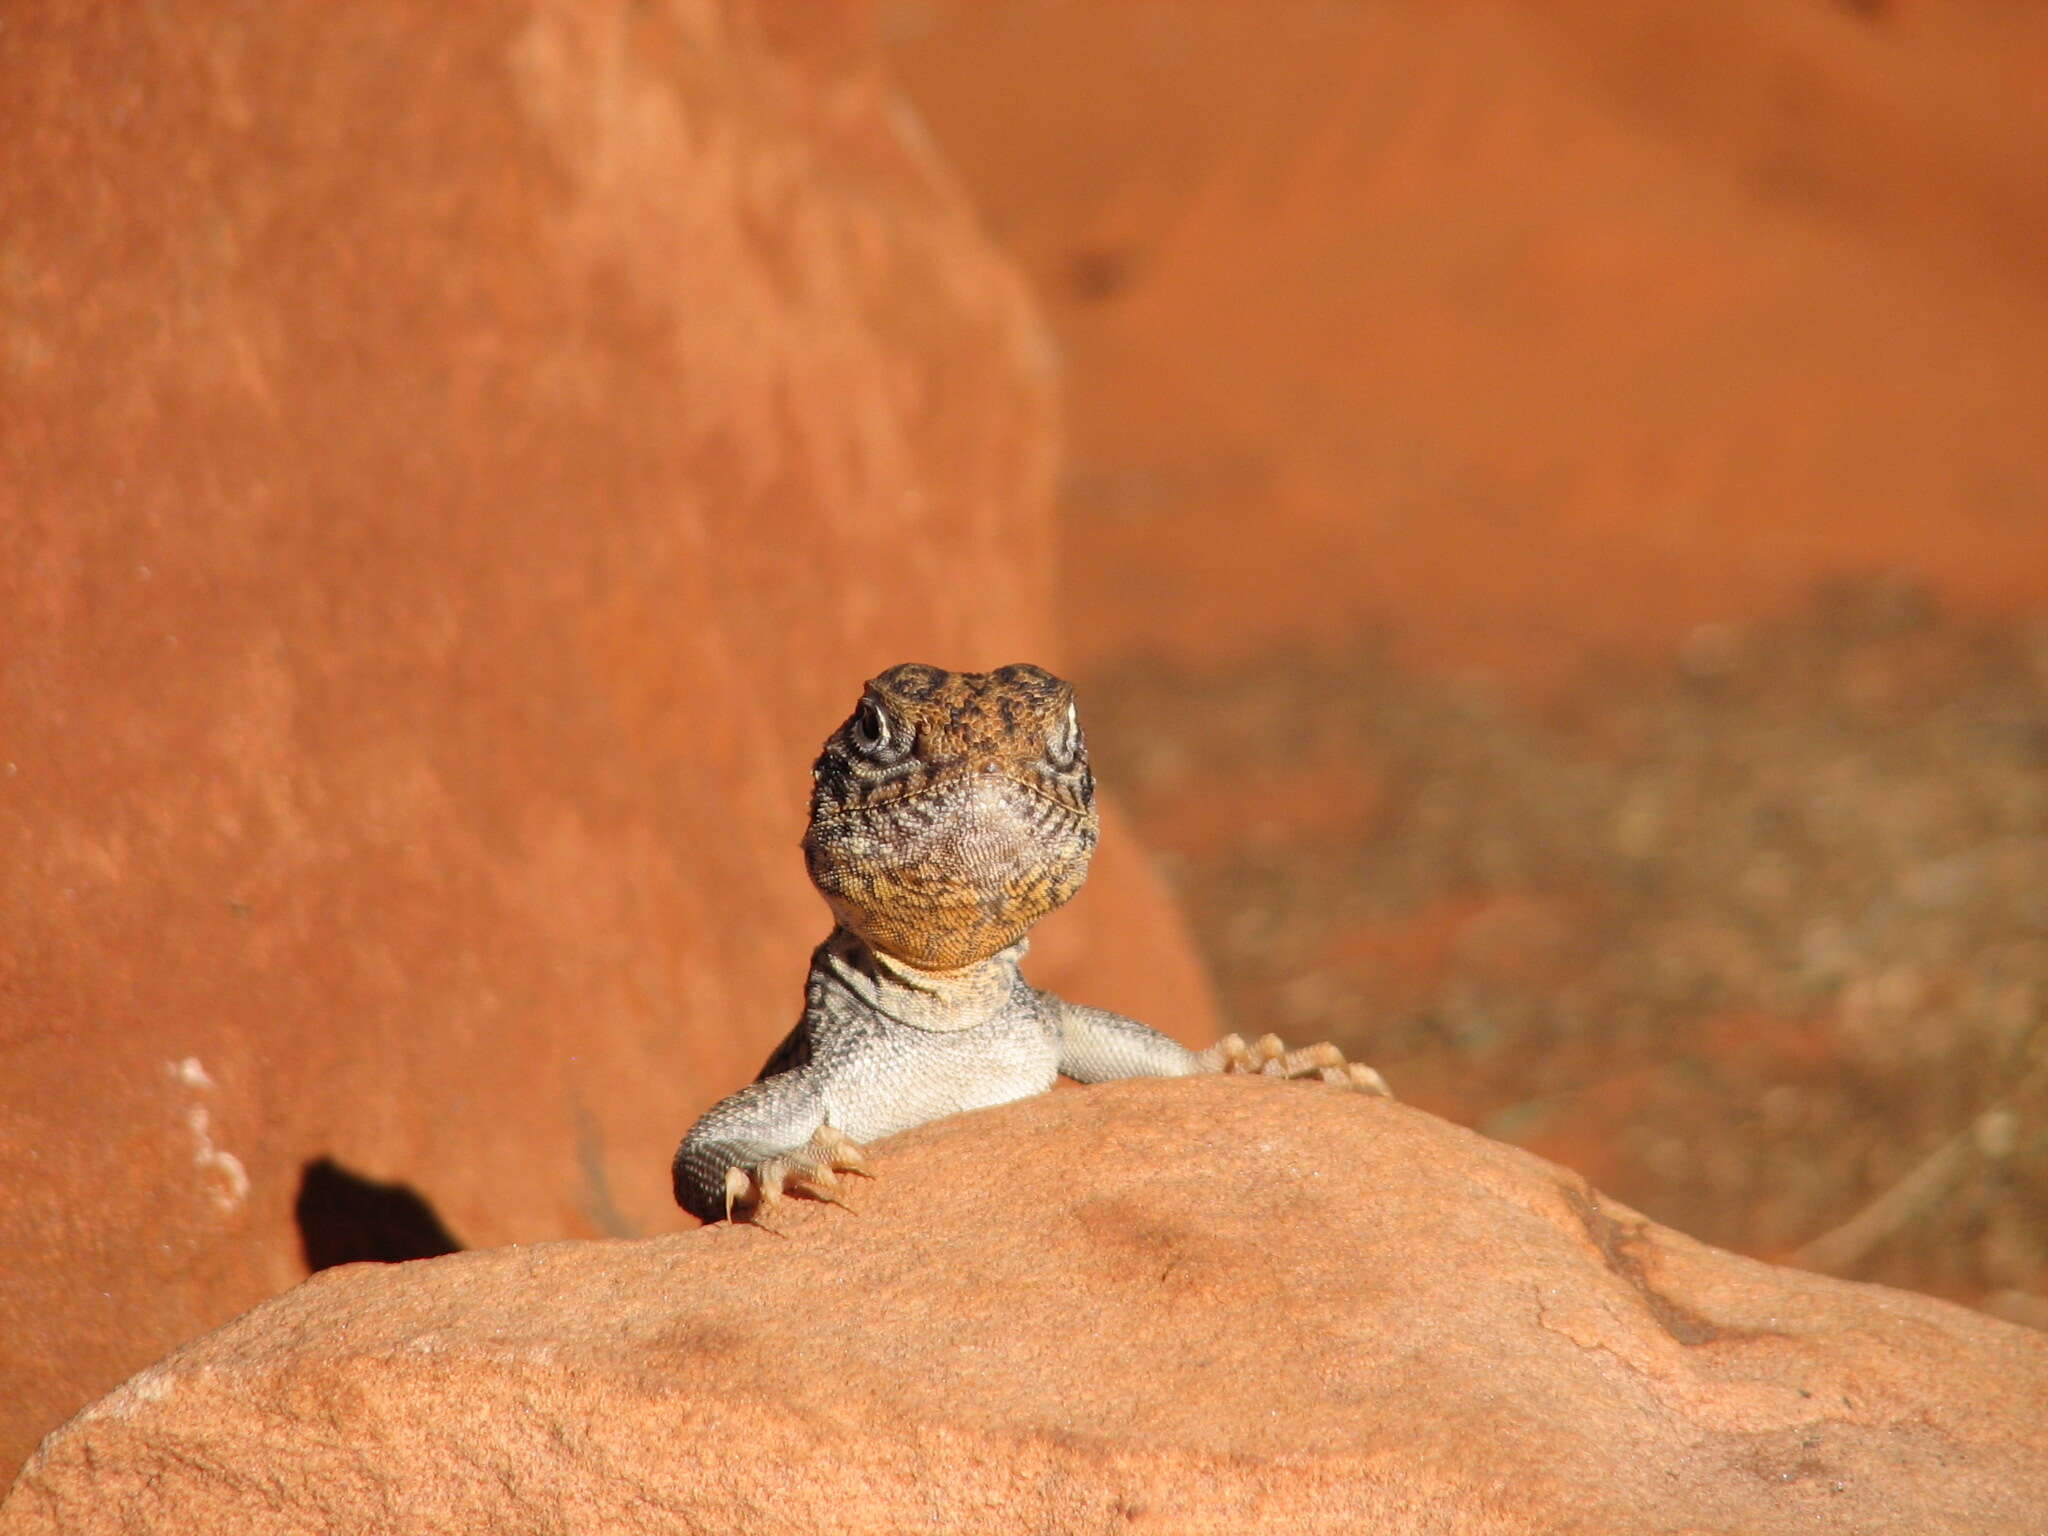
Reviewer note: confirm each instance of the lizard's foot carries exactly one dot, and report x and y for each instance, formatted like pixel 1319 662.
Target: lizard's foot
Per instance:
pixel 813 1169
pixel 1270 1058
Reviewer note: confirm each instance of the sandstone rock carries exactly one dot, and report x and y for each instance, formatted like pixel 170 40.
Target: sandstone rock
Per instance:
pixel 459 461
pixel 1210 1304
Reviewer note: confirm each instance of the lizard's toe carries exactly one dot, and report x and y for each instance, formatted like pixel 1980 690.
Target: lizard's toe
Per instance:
pixel 1230 1054
pixel 812 1169
pixel 739 1189
pixel 1270 1057
pixel 1356 1074
pixel 834 1149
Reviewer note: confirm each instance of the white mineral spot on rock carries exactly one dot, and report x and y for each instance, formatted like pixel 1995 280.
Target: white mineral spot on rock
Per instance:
pixel 227 1176
pixel 191 1072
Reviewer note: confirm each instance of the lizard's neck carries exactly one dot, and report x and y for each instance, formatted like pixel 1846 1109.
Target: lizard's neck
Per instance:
pixel 934 1000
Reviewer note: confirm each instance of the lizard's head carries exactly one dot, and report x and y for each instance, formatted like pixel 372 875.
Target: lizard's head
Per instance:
pixel 951 811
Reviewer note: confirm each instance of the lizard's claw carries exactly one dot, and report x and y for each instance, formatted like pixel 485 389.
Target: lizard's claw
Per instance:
pixel 1270 1057
pixel 812 1169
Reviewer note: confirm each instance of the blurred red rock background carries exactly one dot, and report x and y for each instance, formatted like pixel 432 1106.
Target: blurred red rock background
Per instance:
pixel 455 466
pixel 1513 331
pixel 1556 540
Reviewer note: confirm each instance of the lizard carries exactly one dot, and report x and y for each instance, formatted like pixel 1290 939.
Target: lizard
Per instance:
pixel 949 813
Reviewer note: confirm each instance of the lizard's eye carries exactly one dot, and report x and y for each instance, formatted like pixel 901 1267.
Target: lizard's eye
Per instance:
pixel 870 731
pixel 1063 746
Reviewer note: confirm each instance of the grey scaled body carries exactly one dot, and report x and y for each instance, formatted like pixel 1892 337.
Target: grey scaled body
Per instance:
pixel 880 1050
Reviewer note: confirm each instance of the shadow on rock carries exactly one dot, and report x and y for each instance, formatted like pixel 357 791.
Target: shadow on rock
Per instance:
pixel 345 1218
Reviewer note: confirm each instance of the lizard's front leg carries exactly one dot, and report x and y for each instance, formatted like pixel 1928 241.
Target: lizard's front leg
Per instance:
pixel 1097 1046
pixel 749 1148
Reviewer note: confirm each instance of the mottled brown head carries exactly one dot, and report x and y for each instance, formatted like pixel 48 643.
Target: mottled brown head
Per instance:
pixel 951 811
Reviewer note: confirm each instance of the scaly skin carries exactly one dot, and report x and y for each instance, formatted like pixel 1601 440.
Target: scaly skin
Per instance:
pixel 949 813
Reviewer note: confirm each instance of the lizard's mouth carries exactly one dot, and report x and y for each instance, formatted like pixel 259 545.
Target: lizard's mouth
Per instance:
pixel 881 799
pixel 954 873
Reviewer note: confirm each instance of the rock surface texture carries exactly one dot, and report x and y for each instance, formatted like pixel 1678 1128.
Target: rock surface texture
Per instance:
pixel 1200 1304
pixel 457 462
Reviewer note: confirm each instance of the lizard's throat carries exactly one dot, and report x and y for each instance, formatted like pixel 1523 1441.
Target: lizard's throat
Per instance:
pixel 924 999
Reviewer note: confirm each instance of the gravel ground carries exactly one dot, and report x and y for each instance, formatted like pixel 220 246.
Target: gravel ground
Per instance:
pixel 1758 942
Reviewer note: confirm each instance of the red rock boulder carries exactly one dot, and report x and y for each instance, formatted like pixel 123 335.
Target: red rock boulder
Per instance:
pixel 1217 1304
